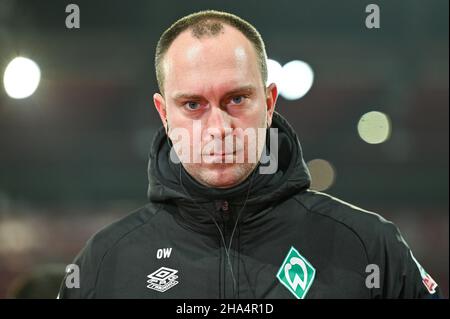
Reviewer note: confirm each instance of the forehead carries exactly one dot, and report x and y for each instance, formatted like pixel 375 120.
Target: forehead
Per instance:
pixel 226 59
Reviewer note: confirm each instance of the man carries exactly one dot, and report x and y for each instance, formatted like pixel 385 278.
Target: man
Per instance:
pixel 222 225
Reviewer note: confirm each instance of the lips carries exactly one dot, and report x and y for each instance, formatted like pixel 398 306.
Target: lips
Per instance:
pixel 219 158
pixel 212 153
pixel 219 154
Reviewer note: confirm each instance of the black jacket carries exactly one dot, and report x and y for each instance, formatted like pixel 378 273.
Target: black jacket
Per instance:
pixel 289 242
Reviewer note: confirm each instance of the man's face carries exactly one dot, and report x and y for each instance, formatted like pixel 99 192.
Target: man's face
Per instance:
pixel 216 83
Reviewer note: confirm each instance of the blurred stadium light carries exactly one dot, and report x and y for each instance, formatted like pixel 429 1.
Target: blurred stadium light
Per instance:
pixel 297 77
pixel 294 79
pixel 21 78
pixel 323 174
pixel 374 127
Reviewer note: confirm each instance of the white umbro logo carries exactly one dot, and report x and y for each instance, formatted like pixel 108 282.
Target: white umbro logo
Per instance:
pixel 163 279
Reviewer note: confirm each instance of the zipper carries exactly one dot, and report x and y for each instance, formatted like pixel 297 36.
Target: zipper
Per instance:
pixel 224 210
pixel 229 277
pixel 222 262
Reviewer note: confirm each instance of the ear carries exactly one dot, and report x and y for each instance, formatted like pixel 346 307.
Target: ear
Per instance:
pixel 160 105
pixel 271 100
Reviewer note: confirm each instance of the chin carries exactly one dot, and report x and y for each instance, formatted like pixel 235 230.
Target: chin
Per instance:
pixel 223 175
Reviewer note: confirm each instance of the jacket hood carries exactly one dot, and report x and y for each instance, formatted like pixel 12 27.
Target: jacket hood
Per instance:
pixel 171 184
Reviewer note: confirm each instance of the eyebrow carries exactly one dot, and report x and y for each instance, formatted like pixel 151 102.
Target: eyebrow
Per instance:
pixel 246 88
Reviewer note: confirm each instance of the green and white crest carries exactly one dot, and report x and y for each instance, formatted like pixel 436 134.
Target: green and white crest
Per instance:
pixel 296 274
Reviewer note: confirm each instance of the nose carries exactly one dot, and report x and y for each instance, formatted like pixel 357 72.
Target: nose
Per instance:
pixel 218 123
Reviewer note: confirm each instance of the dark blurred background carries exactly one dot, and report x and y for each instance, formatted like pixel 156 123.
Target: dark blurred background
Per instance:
pixel 74 154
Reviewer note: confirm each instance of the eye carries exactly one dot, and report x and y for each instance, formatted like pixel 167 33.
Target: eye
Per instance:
pixel 192 106
pixel 237 99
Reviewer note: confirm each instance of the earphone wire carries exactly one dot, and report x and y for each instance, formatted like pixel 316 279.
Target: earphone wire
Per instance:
pixel 227 250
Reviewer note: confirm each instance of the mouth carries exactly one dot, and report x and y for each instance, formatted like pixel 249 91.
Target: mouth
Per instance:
pixel 219 158
pixel 219 154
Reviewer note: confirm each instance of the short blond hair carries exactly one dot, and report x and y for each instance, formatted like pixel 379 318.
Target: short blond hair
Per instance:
pixel 208 23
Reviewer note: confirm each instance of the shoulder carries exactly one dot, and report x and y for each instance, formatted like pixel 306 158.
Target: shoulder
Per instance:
pixel 91 257
pixel 401 276
pixel 110 235
pixel 373 230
